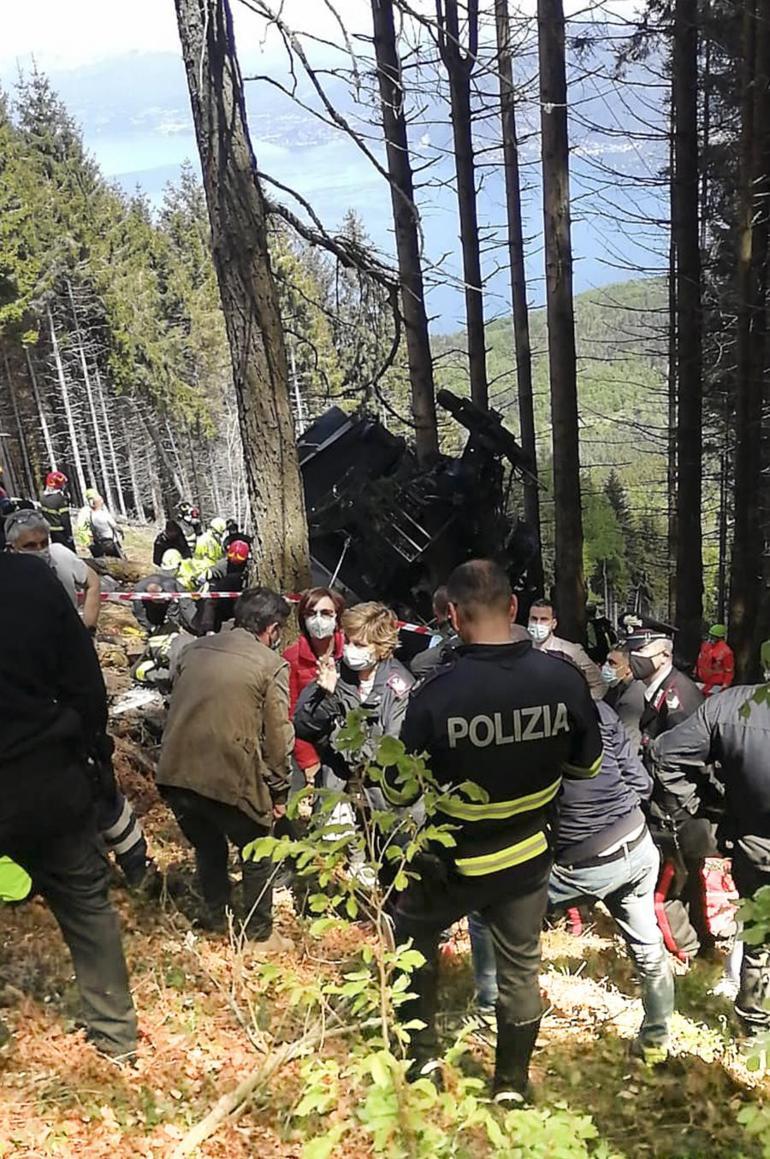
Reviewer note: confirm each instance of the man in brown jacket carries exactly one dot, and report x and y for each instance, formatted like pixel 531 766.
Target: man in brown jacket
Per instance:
pixel 225 764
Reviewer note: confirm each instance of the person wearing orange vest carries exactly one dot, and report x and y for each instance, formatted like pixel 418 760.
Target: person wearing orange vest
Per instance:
pixel 715 669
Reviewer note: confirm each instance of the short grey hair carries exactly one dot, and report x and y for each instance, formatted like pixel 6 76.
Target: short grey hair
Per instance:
pixel 28 520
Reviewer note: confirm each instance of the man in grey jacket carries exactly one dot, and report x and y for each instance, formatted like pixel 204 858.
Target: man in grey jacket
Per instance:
pixel 225 763
pixel 542 627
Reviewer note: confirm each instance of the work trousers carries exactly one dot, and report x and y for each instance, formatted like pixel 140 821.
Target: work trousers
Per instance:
pixel 753 999
pixel 208 825
pixel 70 870
pixel 512 904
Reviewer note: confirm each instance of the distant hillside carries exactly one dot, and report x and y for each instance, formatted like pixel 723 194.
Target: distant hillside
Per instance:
pixel 621 338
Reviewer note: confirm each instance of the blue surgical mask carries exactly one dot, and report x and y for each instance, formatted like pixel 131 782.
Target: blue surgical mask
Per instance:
pixel 610 675
pixel 539 632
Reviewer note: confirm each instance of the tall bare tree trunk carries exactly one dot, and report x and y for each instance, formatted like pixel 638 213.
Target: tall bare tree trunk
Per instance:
pixel 49 450
pixel 98 434
pixel 751 344
pixel 249 299
pixel 29 476
pixel 132 472
pixel 518 280
pixel 562 355
pixel 684 224
pixel 110 442
pixel 671 474
pixel 406 229
pixel 65 394
pixel 459 67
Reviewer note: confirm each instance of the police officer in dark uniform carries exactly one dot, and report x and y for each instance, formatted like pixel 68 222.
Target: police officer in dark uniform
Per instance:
pixel 733 729
pixel 513 721
pixel 670 694
pixel 671 697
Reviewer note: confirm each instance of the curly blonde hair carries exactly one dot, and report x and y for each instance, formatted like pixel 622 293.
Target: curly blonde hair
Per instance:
pixel 375 624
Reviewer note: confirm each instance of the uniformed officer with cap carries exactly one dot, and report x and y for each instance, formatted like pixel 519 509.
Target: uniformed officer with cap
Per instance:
pixel 670 694
pixel 684 840
pixel 512 720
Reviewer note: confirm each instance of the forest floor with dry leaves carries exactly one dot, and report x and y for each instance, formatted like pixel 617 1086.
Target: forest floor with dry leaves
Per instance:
pixel 205 1021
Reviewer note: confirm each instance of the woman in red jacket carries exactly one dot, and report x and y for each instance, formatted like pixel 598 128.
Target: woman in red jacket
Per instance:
pixel 319 614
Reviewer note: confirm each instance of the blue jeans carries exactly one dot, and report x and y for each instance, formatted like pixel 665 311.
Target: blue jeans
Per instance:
pixel 626 885
pixel 484 965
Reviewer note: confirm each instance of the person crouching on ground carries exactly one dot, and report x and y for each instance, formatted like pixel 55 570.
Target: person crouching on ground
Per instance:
pixel 225 762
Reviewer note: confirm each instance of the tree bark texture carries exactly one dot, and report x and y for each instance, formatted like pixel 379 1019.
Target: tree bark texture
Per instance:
pixel 65 394
pixel 406 228
pixel 562 355
pixel 249 299
pixel 459 66
pixel 684 224
pixel 749 534
pixel 518 280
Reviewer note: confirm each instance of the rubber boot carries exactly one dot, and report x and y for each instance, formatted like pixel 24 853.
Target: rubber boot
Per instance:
pixel 514 1050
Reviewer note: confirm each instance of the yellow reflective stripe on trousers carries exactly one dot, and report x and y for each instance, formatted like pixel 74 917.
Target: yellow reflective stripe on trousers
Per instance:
pixel 499 810
pixel 504 858
pixel 580 771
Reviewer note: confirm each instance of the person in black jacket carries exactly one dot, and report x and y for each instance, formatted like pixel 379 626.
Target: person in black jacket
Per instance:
pixel 514 721
pixel 671 697
pixel 624 693
pixel 53 747
pixel 368 677
pixel 172 537
pixel 733 729
pixel 604 851
pixel 56 508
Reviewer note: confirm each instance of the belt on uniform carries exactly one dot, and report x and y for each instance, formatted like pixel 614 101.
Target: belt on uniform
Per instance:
pixel 594 862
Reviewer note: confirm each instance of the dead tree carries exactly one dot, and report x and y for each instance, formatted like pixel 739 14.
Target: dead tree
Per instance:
pixel 406 228
pixel 751 340
pixel 459 67
pixel 518 280
pixel 249 300
pixel 562 355
pixel 685 206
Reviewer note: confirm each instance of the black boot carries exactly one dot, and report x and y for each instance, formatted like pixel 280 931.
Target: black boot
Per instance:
pixel 514 1050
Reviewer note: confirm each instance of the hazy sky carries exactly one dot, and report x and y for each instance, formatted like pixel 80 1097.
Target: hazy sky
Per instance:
pixel 70 33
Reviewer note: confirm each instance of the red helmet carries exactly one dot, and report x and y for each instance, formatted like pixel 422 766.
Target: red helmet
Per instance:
pixel 56 480
pixel 238 551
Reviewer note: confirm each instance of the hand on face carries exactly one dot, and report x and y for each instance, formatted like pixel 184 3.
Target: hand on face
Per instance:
pixel 327 674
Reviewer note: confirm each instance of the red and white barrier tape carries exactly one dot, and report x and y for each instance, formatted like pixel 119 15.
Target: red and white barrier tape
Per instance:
pixel 167 597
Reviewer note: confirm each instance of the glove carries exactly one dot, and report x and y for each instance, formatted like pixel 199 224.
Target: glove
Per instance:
pixel 100 766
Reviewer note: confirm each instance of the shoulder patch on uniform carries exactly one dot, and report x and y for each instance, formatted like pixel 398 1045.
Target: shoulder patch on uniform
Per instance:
pixel 672 700
pixel 399 685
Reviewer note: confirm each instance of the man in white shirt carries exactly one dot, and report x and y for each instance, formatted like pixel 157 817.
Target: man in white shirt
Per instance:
pixel 29 532
pixel 542 626
pixel 104 529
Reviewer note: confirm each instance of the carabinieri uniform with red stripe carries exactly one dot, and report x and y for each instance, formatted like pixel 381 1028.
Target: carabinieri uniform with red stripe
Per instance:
pixel 513 721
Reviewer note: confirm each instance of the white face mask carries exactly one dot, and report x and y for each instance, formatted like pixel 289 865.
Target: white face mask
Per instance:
pixel 358 658
pixel 320 627
pixel 44 554
pixel 538 631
